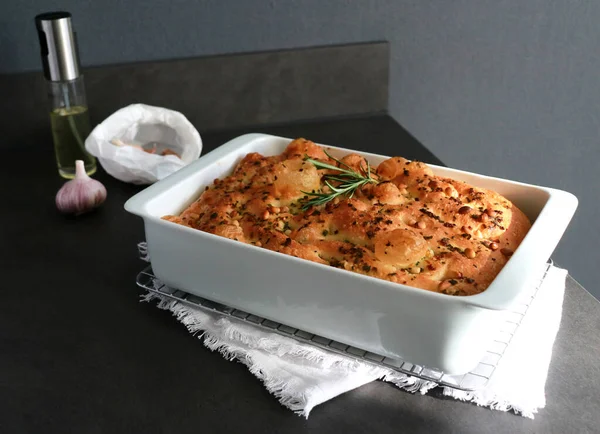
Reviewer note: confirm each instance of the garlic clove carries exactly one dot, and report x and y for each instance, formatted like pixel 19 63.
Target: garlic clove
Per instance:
pixel 81 194
pixel 170 152
pixel 151 149
pixel 120 143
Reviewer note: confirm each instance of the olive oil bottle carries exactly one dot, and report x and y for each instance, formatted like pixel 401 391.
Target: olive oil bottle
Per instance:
pixel 70 127
pixel 69 117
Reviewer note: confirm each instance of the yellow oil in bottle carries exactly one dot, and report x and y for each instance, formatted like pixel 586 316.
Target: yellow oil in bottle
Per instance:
pixel 70 128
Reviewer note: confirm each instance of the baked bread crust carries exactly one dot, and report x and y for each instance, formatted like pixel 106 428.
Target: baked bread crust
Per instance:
pixel 412 227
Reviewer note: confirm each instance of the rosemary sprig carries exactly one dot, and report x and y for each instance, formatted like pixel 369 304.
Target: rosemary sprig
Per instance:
pixel 348 179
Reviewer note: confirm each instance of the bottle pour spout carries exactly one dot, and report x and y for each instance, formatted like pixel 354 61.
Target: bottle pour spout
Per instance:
pixel 58 46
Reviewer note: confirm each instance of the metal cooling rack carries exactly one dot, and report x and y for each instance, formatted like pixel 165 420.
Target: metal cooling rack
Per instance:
pixel 474 380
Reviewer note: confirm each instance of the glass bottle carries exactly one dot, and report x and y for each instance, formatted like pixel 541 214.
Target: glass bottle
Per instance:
pixel 69 117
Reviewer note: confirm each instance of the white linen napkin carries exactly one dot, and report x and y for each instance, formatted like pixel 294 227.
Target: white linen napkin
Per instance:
pixel 302 376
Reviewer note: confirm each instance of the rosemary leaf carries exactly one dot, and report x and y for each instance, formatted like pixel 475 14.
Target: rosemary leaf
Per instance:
pixel 348 182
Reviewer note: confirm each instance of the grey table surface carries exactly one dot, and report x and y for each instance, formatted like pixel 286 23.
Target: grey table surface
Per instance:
pixel 80 354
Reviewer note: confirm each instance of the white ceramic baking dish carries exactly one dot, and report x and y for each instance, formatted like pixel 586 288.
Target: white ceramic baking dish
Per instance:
pixel 394 320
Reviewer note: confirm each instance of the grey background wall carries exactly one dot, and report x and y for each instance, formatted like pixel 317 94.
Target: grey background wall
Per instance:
pixel 507 88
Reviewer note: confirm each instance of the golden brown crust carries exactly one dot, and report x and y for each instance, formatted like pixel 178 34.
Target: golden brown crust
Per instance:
pixel 412 227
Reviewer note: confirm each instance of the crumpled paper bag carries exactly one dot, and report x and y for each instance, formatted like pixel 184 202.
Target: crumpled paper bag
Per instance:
pixel 140 124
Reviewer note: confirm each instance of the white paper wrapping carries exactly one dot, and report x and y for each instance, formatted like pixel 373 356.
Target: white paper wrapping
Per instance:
pixel 141 124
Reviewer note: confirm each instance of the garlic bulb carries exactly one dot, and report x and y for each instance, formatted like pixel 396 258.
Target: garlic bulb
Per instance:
pixel 81 194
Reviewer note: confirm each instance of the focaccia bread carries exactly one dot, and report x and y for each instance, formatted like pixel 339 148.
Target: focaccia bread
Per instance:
pixel 407 226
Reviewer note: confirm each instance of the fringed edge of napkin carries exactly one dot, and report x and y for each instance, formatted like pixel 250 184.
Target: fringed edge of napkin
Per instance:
pixel 196 326
pixel 196 323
